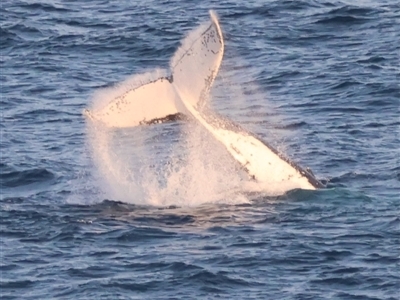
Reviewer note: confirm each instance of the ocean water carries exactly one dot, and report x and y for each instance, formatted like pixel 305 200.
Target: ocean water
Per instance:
pixel 320 80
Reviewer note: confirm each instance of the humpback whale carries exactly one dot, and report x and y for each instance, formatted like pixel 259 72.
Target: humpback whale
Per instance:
pixel 184 94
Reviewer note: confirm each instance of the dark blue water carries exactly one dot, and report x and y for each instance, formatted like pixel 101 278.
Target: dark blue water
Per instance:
pixel 319 78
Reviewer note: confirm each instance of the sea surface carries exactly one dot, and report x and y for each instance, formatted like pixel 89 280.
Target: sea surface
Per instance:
pixel 320 80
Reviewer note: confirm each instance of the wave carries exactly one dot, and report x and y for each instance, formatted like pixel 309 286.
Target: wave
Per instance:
pixel 26 177
pixel 44 7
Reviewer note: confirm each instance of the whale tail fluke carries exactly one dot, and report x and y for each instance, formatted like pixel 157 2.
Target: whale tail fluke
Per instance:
pixel 145 104
pixel 185 93
pixel 193 69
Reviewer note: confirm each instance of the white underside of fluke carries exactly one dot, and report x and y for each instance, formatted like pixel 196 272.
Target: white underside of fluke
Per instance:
pixel 193 70
pixel 139 105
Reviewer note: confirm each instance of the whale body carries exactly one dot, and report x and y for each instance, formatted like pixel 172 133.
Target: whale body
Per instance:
pixel 184 93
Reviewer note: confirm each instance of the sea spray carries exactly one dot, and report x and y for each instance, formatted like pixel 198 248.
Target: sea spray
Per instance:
pixel 204 173
pixel 163 164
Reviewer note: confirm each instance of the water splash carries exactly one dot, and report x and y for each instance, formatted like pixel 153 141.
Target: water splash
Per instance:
pixel 166 164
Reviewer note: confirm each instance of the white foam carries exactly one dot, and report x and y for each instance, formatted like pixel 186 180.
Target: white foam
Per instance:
pixel 137 166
